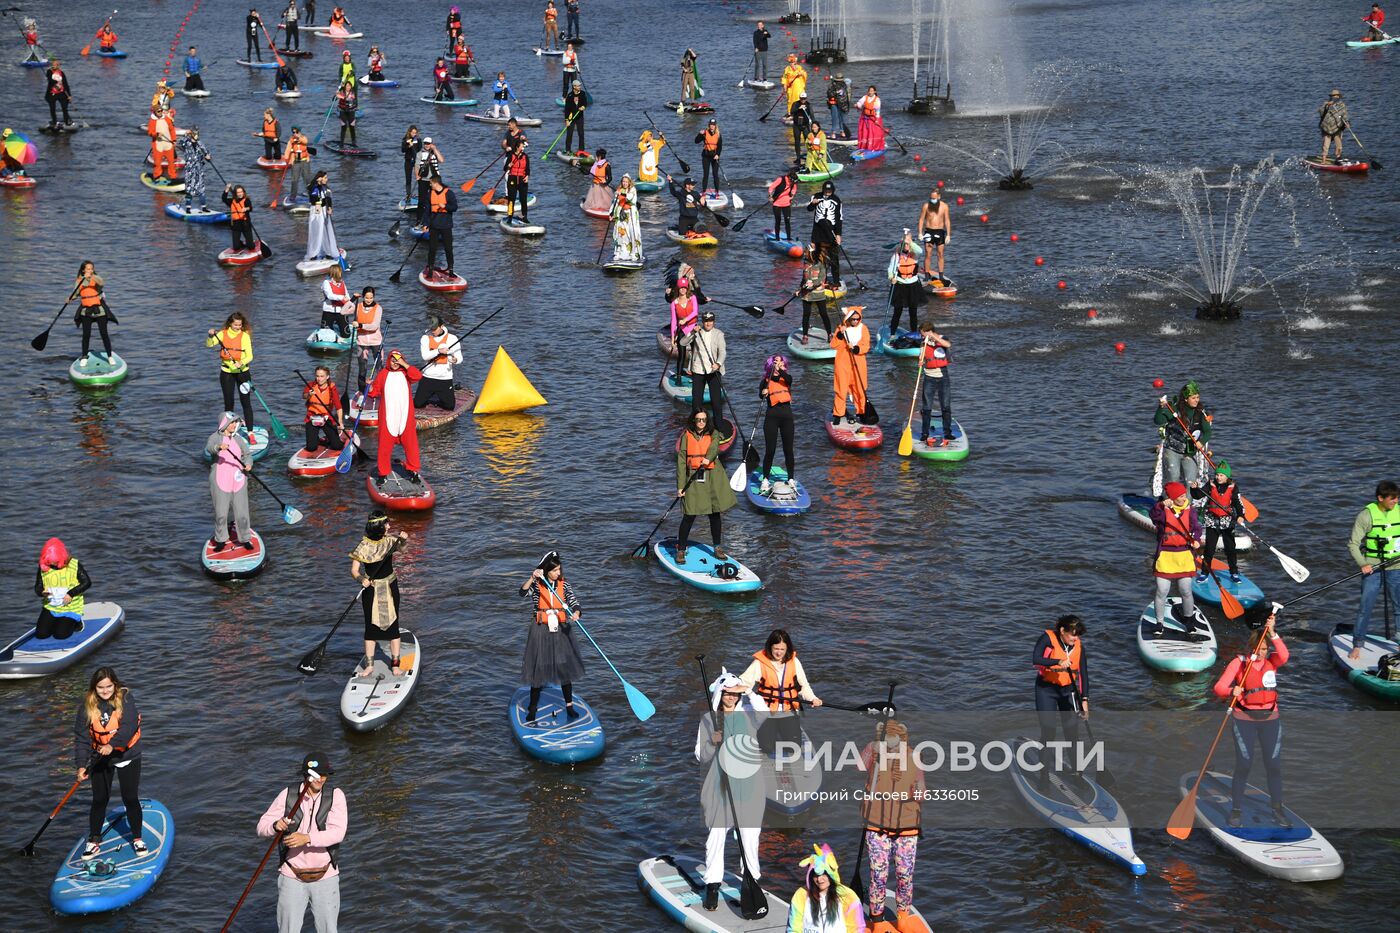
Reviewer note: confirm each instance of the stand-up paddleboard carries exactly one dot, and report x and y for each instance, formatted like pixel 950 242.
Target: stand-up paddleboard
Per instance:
pixel 623 265
pixel 28 656
pixel 906 343
pixel 694 238
pixel 517 227
pixel 328 340
pixel 550 52
pixel 680 388
pixel 17 181
pixel 162 184
pixel 309 268
pixel 833 169
pixel 321 461
pixel 407 205
pixel 1079 807
pixel 789 248
pixel 468 79
pixel 1361 43
pixel 715 200
pixel 552 736
pixel 785 497
pixel 437 280
pixel 384 82
pixel 235 563
pixel 580 159
pixel 1362 671
pixel 272 165
pixel 676 885
pixel 792 788
pixel 649 187
pixel 855 436
pixel 702 569
pixel 118 875
pixel 262 65
pixel 43 62
pixel 1209 592
pixel 295 53
pixel 289 94
pixel 354 152
pixel 865 155
pixel 336 32
pixel 425 418
pixel 457 102
pixel 690 106
pixel 1294 853
pixel 1182 649
pixel 817 346
pixel 372 698
pixel 114 53
pixel 296 205
pixel 958 446
pixel 198 95
pixel 259 443
pixel 502 121
pixel 836 292
pixel 758 85
pixel 599 213
pixel 196 215
pixel 1134 508
pixel 501 205
pixel 98 369
pixel 1344 166
pixel 400 493
pixel 242 257
pixel 941 287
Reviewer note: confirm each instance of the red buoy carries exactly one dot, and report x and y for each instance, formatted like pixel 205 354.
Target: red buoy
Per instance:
pixel 983 218
pixel 940 183
pixel 1092 314
pixel 1061 284
pixel 917 157
pixel 923 168
pixel 1157 383
pixel 960 200
pixel 1119 347
pixel 1040 260
pixel 1015 238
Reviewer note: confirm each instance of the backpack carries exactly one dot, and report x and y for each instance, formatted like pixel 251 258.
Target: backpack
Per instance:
pixel 1388 667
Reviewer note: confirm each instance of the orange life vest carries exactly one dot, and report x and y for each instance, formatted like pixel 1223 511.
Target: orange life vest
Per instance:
pixel 778 392
pixel 711 139
pixel 337 18
pixel 102 735
pixel 697 451
pixel 90 296
pixel 296 148
pixel 435 341
pixel 318 399
pixel 907 266
pixel 460 53
pixel 1058 654
pixel 270 128
pixel 1220 504
pixel 870 106
pixel 600 172
pixel 550 602
pixel 238 209
pixel 437 201
pixel 365 315
pixel 779 690
pixel 550 14
pixel 231 345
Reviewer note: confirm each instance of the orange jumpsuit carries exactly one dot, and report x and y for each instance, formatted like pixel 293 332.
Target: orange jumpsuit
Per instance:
pixel 851 373
pixel 162 132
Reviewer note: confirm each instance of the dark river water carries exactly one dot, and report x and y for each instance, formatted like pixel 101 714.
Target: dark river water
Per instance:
pixel 940 576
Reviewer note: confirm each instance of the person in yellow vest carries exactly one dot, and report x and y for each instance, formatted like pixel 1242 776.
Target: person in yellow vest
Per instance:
pixel 777 675
pixel 650 147
pixel 823 904
pixel 60 583
pixel 892 811
pixel 440 351
pixel 105 733
pixel 551 656
pixel 235 343
pixel 794 81
pixel 1062 673
pixel 1374 543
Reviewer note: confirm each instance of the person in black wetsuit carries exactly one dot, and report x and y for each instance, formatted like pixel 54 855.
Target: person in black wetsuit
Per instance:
pixel 688 200
pixel 410 146
pixel 250 33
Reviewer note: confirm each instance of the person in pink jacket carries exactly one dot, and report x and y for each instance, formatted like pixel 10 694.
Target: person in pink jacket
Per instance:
pixel 685 317
pixel 313 816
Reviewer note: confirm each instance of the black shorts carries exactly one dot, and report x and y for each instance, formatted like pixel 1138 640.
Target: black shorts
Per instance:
pixel 936 237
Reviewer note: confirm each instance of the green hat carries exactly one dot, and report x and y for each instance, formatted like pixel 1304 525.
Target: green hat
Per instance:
pixel 1223 467
pixel 1190 389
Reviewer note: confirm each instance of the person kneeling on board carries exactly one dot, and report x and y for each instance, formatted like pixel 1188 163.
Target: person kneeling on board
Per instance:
pixel 324 421
pixel 60 583
pixel 1253 682
pixel 1062 672
pixel 314 817
pixel 440 351
pixel 733 709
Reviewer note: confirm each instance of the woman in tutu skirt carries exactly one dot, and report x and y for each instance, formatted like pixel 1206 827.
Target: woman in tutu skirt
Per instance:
pixel 551 657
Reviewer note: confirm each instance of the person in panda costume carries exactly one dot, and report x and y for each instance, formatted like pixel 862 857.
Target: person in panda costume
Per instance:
pixel 393 388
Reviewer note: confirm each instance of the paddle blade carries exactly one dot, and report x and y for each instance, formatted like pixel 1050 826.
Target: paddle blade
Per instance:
pixel 737 201
pixel 345 458
pixel 1251 513
pixel 740 479
pixel 40 341
pixel 468 185
pixel 754 311
pixel 394 230
pixel 1290 566
pixel 1183 818
pixel 86 49
pixel 313 659
pixel 721 219
pixel 279 429
pixel 265 249
pixel 906 441
pixel 486 198
pixel 685 166
pixel 397 276
pixel 640 551
pixel 1232 606
pixel 740 225
pixel 291 514
pixel 642 707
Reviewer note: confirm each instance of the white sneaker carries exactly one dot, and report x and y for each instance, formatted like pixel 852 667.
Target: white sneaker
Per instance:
pixel 765 488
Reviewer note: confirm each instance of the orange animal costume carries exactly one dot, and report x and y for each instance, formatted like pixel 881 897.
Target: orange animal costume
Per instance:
pixel 852 344
pixel 161 129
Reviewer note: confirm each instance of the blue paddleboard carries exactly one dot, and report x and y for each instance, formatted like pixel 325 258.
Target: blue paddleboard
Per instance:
pixel 702 569
pixel 117 876
pixel 553 736
pixel 779 501
pixel 1245 591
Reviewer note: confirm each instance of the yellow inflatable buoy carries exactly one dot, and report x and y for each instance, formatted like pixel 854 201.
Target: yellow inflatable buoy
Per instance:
pixel 506 388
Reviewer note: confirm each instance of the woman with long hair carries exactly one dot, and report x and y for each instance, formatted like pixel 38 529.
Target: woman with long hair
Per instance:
pixel 106 732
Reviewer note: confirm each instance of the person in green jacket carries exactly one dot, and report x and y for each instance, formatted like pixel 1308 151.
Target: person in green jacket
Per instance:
pixel 1185 427
pixel 703 489
pixel 1375 540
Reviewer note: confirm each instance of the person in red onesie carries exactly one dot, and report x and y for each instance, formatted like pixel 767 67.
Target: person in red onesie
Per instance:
pixel 393 387
pixel 1374 21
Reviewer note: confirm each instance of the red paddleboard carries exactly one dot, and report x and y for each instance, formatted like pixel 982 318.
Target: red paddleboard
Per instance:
pixel 17 181
pixel 855 436
pixel 271 165
pixel 441 282
pixel 1336 165
pixel 399 494
pixel 243 258
pixel 318 462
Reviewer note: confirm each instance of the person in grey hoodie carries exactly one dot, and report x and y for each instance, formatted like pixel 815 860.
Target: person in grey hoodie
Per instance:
pixel 705 362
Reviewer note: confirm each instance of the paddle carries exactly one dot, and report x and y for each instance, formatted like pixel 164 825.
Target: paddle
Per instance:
pixel 852 267
pixel 262 246
pixel 311 661
pixel 894 137
pixel 1374 567
pixel 1374 164
pixel 88 48
pixel 782 308
pixel 1290 566
pixel 1106 777
pixel 734 199
pixel 745 219
pixel 641 550
pixel 42 340
pixel 398 273
pixel 560 136
pixel 1183 818
pixel 751 310
pixel 346 457
pixel 276 839
pixel 753 903
pixel 906 440
pixel 290 514
pixel 685 166
pixel 278 428
pixel 857 883
pixel 491 191
pixel 740 479
pixel 753 58
pixel 782 96
pixel 1250 512
pixel 28 850
pixel 469 185
pixel 642 707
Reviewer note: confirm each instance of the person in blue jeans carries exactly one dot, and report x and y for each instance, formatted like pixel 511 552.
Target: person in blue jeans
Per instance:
pixel 1374 544
pixel 937 385
pixel 571 30
pixel 838 102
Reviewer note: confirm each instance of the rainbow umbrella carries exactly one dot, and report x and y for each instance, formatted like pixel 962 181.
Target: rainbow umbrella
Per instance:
pixel 17 146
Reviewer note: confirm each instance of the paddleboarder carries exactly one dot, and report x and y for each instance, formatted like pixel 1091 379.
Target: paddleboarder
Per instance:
pixel 650 146
pixel 454 26
pixel 852 344
pixel 336 306
pixel 780 194
pixel 410 146
pixel 937 385
pixel 60 583
pixel 1375 538
pixel 310 19
pixel 685 318
pixel 1374 21
pixel 442 81
pixel 689 202
pixel 1223 509
pixel 935 230
pixel 906 292
pixel 291 40
pixel 690 77
pixel 813 290
pixel 320 232
pixel 514 138
pixel 551 26
pixel 794 81
pixel 442 204
pixel 29 28
pixel 626 224
pixel 1061 685
pixel 324 422
pixel 161 128
pixel 892 811
pixel 1253 683
pixel 298 159
pixel 231 458
pixel 826 229
pixel 461 59
pixel 571 28
pixel 314 817
pixel 501 96
pixel 551 656
pixel 194 81
pixel 736 714
pixel 235 343
pixel 1332 120
pixel 711 148
pixel 570 68
pixel 705 355
pixel 706 494
pixel 575 103
pixel 429 163
pixel 775 389
pixel 518 179
pixel 376 61
pixel 189 150
pixel 106 38
pixel 776 674
pixel 838 104
pixel 393 387
pixel 870 128
pixel 107 735
pixel 1186 429
pixel 1178 539
pixel 800 113
pixel 347 103
pixel 440 351
pixel 823 903
pixel 600 193
pixel 761 35
pixel 369 336
pixel 818 158
pixel 92 309
pixel 253 41
pixel 285 78
pixel 240 209
pixel 372 565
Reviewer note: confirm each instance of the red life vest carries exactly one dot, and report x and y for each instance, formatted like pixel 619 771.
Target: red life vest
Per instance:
pixel 339 293
pixel 935 357
pixel 1054 655
pixel 1256 696
pixel 1176 531
pixel 296 148
pixel 697 450
pixel 519 165
pixel 1220 504
pixel 778 392
pixel 462 58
